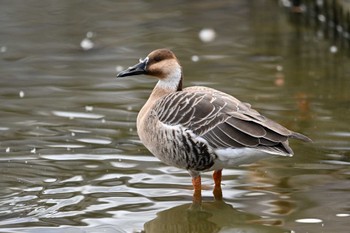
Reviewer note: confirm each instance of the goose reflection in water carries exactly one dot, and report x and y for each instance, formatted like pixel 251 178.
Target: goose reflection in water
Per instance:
pixel 216 216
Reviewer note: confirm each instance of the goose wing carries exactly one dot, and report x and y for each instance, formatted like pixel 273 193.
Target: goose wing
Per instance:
pixel 224 121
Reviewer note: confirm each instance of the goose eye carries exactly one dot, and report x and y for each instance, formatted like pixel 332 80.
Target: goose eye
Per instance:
pixel 158 58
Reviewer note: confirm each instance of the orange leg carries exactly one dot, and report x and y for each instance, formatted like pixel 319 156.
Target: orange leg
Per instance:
pixel 217 188
pixel 197 185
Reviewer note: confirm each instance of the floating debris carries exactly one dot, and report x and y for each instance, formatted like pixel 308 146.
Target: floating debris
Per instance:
pixel 207 35
pixel 33 151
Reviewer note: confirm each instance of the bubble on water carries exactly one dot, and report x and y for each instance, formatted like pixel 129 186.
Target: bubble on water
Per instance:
pixel 103 120
pixel 333 49
pixel 129 108
pixel 86 44
pixel 8 150
pixel 309 220
pixel 3 49
pixel 73 134
pixel 207 35
pixel 21 94
pixel 33 151
pixel 89 108
pixel 195 58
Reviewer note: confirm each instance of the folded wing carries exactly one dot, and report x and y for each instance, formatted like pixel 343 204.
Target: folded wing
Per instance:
pixel 224 121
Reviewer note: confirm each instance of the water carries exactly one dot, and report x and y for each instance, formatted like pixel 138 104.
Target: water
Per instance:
pixel 70 158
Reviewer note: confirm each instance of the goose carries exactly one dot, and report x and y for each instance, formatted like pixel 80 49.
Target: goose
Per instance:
pixel 202 129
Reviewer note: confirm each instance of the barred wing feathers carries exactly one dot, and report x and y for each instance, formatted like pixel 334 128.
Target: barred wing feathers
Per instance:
pixel 224 121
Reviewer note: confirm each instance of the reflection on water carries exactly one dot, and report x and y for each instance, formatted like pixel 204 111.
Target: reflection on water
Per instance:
pixel 216 216
pixel 70 158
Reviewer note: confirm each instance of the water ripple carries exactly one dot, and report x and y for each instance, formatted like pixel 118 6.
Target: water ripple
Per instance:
pixel 72 115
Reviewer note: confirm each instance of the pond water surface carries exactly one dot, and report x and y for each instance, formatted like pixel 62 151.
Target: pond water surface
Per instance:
pixel 70 157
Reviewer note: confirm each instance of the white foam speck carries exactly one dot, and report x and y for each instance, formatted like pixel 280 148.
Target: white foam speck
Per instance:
pixel 279 68
pixel 86 44
pixel 7 150
pixel 89 108
pixel 207 35
pixel 333 49
pixel 195 58
pixel 21 94
pixel 33 151
pixel 309 220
